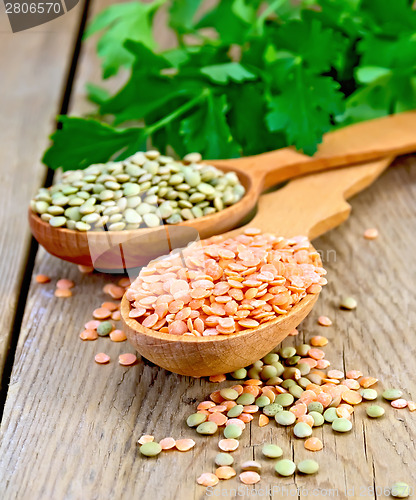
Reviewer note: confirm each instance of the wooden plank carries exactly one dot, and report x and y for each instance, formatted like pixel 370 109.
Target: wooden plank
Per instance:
pixel 70 426
pixel 34 66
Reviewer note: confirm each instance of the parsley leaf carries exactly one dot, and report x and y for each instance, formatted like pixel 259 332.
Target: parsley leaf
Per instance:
pixel 304 108
pixel 224 73
pixel 82 142
pixel 121 22
pixel 207 130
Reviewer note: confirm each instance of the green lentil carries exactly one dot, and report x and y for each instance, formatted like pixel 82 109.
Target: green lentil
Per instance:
pixel 270 358
pixel 194 189
pixel 302 430
pixel 316 406
pixel 285 399
pixel 341 425
pixel 392 394
pixel 151 449
pixel 235 411
pixel 272 451
pixel 330 414
pixel 229 394
pixel 288 383
pixel 105 328
pixel 232 431
pixel 223 459
pixel 400 490
pixel 375 411
pixel 262 401
pixel 285 467
pixel 285 417
pixel 348 303
pixel 303 349
pixel 308 466
pixel 296 391
pixel 196 419
pixel 245 399
pixel 318 418
pixel 287 352
pixel 207 428
pixel 272 409
pixel 304 368
pixel 268 371
pixel 369 394
pixel 239 374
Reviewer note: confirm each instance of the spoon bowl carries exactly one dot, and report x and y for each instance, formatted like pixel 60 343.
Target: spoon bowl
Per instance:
pixel 312 206
pixel 202 356
pixel 118 250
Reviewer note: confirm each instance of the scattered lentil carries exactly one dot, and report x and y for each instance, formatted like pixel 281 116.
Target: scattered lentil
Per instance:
pixel 400 490
pixel 167 443
pixel 308 466
pixel 228 444
pixel 341 425
pixel 146 438
pixel 399 403
pixel 42 278
pixel 348 303
pixel 375 411
pixel 249 477
pixel 392 394
pixel 371 234
pixel 224 459
pixel 63 293
pixel 272 451
pixel 225 472
pixel 324 321
pixel 313 444
pixel 127 359
pixel 102 358
pixel 285 467
pixel 150 449
pixel 207 479
pixel 184 444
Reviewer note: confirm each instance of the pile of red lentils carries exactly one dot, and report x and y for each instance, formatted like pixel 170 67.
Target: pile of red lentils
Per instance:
pixel 223 286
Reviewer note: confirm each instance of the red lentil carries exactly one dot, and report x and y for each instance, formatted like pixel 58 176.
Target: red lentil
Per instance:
pixel 127 359
pixel 263 277
pixel 207 479
pixel 318 341
pixel 371 234
pixel 65 284
pixel 249 477
pixel 42 278
pixel 88 335
pixel 324 321
pixel 399 403
pixel 185 444
pixel 118 336
pixel 167 443
pixel 225 472
pixel 147 438
pixel 102 358
pixel 313 444
pixel 63 293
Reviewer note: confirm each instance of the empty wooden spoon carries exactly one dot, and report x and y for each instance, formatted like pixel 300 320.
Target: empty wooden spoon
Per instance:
pixel 108 250
pixel 311 205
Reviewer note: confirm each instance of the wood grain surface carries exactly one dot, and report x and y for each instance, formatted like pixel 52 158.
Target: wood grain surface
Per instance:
pixel 34 69
pixel 70 426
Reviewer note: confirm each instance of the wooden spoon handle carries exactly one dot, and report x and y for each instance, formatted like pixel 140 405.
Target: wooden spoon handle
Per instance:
pixel 314 204
pixel 370 140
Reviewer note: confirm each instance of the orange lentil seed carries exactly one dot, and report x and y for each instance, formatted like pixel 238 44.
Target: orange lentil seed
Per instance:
pixel 118 336
pixel 318 341
pixel 207 479
pixel 184 444
pixel 63 293
pixel 371 234
pixel 352 397
pixel 102 358
pixel 101 313
pixel 411 405
pixel 167 443
pixel 228 444
pixel 217 378
pixel 127 359
pixel 249 477
pixel 146 438
pixel 111 306
pixel 324 321
pixel 225 472
pixel 354 374
pixel 88 335
pixel 65 284
pixel 313 444
pixel 368 382
pixel 263 420
pixel 42 279
pixel 399 403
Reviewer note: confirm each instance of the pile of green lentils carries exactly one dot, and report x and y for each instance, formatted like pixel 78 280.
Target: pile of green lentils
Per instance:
pixel 145 190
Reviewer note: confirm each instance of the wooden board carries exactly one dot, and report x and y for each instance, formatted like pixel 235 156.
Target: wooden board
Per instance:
pixel 30 98
pixel 70 426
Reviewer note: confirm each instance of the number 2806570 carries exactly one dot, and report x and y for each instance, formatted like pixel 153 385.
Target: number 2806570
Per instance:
pixel 33 8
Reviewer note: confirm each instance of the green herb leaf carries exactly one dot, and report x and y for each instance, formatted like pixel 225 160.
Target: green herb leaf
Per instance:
pixel 224 73
pixel 82 142
pixel 96 94
pixel 304 109
pixel 207 130
pixel 182 14
pixel 126 21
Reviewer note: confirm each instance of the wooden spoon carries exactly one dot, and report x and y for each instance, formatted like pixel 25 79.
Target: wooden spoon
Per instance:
pixel 107 250
pixel 311 205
